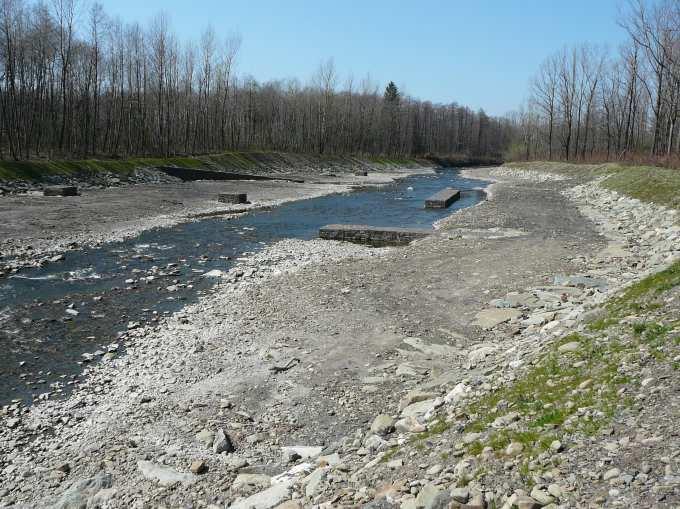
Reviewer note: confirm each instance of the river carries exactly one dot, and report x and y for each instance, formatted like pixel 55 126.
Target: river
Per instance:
pixel 56 319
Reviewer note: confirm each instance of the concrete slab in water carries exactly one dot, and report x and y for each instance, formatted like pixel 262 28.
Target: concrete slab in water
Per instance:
pixel 372 235
pixel 442 199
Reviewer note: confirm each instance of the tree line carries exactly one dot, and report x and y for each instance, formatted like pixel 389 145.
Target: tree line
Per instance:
pixel 587 103
pixel 75 82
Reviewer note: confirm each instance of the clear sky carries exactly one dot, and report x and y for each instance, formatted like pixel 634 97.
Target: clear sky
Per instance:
pixel 480 53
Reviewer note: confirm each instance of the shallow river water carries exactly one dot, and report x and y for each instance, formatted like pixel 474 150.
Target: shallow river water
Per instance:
pixel 56 319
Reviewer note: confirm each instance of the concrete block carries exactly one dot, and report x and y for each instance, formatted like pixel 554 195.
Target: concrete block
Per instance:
pixel 60 191
pixel 372 235
pixel 190 174
pixel 442 199
pixel 232 198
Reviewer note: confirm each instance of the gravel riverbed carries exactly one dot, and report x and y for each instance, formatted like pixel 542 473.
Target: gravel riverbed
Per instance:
pixel 323 374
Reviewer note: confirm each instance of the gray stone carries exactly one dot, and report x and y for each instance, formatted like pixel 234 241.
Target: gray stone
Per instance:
pixel 329 459
pixel 460 392
pixel 434 470
pixel 206 437
pixel 442 500
pixel 303 451
pixel 514 449
pixel 556 446
pixel 490 318
pixel 407 369
pixel 476 502
pixel 381 503
pixel 222 443
pixel 515 300
pixel 572 346
pixel 555 490
pixel 102 498
pixel 383 424
pixel 415 396
pixel 461 495
pixel 395 464
pixel 505 420
pixel 611 474
pixel 267 499
pixel 164 475
pixel 419 408
pixel 526 502
pixel 427 495
pixel 251 480
pixel 81 492
pixel 235 462
pixel 541 496
pixel 313 481
pixel 375 443
pixel 256 438
pixel 581 281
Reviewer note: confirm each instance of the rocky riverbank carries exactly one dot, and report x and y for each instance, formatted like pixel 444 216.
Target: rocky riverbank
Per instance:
pixel 526 356
pixel 37 230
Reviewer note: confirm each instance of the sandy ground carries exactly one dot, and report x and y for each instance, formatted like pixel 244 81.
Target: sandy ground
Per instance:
pixel 35 228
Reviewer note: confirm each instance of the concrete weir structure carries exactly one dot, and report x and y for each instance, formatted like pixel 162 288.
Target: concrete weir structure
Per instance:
pixel 232 198
pixel 376 236
pixel 189 174
pixel 442 199
pixel 60 191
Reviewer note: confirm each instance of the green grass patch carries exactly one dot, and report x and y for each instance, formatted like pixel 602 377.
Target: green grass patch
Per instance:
pixel 650 184
pixel 549 395
pixel 552 391
pixel 389 454
pixel 39 170
pixel 644 295
pixel 252 160
pixel 646 183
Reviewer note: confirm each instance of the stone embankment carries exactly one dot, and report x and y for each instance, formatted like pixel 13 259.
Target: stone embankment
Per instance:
pixel 316 374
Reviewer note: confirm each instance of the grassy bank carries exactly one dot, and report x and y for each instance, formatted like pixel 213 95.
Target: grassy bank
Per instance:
pixel 579 384
pixel 647 183
pixel 638 328
pixel 252 161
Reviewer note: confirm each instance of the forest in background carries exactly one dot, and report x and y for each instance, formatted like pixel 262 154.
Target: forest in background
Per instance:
pixel 76 83
pixel 589 104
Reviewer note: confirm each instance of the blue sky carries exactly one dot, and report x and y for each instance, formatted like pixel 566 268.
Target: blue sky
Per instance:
pixel 477 52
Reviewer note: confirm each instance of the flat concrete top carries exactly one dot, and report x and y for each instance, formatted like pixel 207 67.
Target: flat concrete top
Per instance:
pixel 444 194
pixel 375 228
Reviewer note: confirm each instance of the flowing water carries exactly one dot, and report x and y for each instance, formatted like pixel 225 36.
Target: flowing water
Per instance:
pixel 56 319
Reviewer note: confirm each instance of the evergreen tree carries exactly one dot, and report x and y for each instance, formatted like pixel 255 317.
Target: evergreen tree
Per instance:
pixel 391 93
